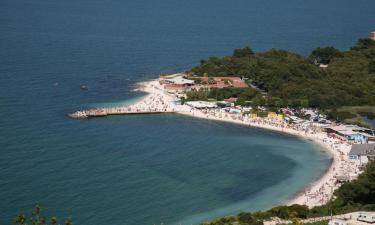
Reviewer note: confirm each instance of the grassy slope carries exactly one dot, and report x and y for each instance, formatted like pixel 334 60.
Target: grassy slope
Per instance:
pixel 358 110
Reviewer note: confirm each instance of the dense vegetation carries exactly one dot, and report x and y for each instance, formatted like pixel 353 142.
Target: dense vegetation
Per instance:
pixel 356 195
pixel 353 115
pixel 220 94
pixel 294 80
pixel 351 196
pixel 37 218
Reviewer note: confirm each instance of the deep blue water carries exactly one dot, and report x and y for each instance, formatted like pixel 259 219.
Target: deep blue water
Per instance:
pixel 147 169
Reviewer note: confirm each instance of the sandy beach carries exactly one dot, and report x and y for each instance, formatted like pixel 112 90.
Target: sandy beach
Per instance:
pixel 317 193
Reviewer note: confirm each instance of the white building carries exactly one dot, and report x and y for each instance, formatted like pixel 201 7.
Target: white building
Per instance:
pixel 201 104
pixel 338 222
pixel 352 132
pixel 179 80
pixel 362 152
pixel 367 217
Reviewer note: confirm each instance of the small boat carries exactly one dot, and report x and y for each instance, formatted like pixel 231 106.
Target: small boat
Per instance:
pixel 84 87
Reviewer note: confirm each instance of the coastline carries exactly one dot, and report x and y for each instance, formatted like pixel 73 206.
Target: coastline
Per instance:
pixel 315 193
pixel 318 191
pixel 299 197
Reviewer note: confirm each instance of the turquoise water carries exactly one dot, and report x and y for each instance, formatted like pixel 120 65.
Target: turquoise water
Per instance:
pixel 146 169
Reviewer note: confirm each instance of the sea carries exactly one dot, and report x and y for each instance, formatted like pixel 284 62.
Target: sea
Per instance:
pixel 135 170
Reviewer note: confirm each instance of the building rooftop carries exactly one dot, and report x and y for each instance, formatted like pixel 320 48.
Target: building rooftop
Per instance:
pixel 362 149
pixel 201 104
pixel 346 129
pixel 179 80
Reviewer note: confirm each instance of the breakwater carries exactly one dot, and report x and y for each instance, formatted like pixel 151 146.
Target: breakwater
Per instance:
pixel 102 112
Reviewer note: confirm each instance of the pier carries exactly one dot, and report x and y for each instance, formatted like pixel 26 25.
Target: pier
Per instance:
pixel 103 112
pixel 156 101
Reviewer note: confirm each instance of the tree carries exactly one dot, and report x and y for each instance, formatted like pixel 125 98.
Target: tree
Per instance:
pixel 196 95
pixel 304 103
pixel 363 43
pixel 292 79
pixel 248 218
pixel 324 55
pixel 37 218
pixel 371 66
pixel 243 52
pixel 183 100
pixel 297 221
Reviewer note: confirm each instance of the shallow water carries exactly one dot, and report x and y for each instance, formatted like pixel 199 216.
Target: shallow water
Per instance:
pixel 146 169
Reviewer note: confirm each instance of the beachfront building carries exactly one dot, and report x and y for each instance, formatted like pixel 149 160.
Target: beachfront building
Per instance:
pixel 367 217
pixel 275 116
pixel 177 80
pixel 338 222
pixel 231 110
pixel 174 89
pixel 354 218
pixel 246 108
pixel 362 152
pixel 372 35
pixel 176 83
pixel 350 133
pixel 223 104
pixel 315 116
pixel 201 104
pixel 219 82
pixel 230 101
pixel 287 111
pixel 295 119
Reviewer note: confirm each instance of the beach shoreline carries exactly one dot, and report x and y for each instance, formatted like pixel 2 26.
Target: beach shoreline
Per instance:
pixel 315 193
pixel 297 198
pixel 318 191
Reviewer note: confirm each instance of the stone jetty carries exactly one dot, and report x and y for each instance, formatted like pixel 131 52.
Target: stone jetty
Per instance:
pixel 102 112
